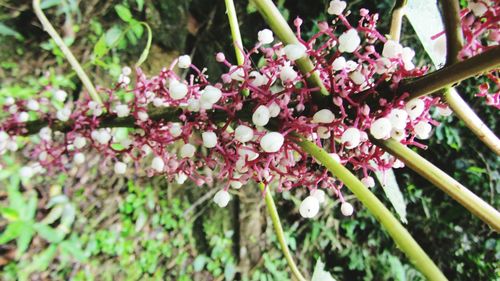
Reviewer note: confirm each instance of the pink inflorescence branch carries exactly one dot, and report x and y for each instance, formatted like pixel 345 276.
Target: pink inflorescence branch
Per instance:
pixel 202 131
pixel 481 30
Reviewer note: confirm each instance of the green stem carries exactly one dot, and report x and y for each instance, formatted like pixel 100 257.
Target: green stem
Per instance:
pixel 400 235
pixel 454 43
pixel 471 120
pixel 66 51
pixel 460 193
pixel 235 31
pixel 278 24
pixel 397 19
pixel 449 75
pixel 271 208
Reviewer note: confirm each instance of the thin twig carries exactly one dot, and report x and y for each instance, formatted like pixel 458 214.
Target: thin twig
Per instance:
pixel 47 26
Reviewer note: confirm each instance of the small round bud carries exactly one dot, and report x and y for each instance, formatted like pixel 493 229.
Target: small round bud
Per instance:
pixel 236 184
pixel 392 49
pixel 274 109
pixel 261 116
pixel 23 116
pixel 346 208
pixel 122 110
pixel 33 105
pixel 415 108
pixel 78 158
pixel 187 150
pixel 368 181
pixel 220 57
pixel 381 128
pixel 336 7
pixel 126 71
pixel 309 207
pixel 79 142
pixel 60 95
pixel 210 95
pixel 209 139
pixel 158 164
pixel 423 130
pixel 323 116
pixel 177 90
pixel 63 114
pixel 265 36
pixel 175 130
pixel 320 195
pixel 349 41
pixel 184 61
pixel 339 63
pixel 120 168
pixel 287 73
pixel 222 198
pixel 272 142
pixel 26 172
pixel 295 51
pixel 243 133
pixel 351 138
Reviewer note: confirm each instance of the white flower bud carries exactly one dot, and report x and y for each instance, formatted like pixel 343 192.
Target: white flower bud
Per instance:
pixel 247 153
pixel 79 142
pixel 243 133
pixel 349 41
pixel 261 116
pixel 272 142
pixel 158 164
pixel 78 158
pixel 209 139
pixel 175 130
pixel 142 116
pixel 184 61
pixel 295 51
pixel 33 105
pixel 60 95
pixel 122 110
pixel 237 73
pixel 257 79
pixel 45 134
pixel 265 36
pixel 320 195
pixel 336 7
pixel 187 150
pixel 120 168
pixel 368 181
pixel 102 136
pixel 408 55
pixel 287 73
pixel 23 116
pixel 309 207
pixel 423 130
pixel 26 172
pixel 236 184
pixel 398 118
pixel 351 138
pixel 346 208
pixel 193 105
pixel 63 114
pixel 357 77
pixel 339 63
pixel 381 128
pixel 222 198
pixel 126 71
pixel 177 90
pixel 274 109
pixel 323 116
pixel 415 108
pixel 210 95
pixel 392 49
pixel 180 178
pixel 9 101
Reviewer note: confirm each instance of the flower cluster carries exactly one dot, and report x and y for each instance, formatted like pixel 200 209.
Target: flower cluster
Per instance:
pixel 481 30
pixel 244 126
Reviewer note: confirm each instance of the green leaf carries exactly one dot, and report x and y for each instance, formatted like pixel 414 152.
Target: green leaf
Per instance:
pixel 199 263
pixel 113 35
pixel 320 274
pixel 140 4
pixel 48 233
pixel 100 47
pixel 11 232
pixel 24 239
pixel 43 260
pixel 73 248
pixel 123 12
pixel 31 206
pixel 393 192
pixel 45 4
pixel 7 31
pixel 229 271
pixel 145 52
pixel 9 213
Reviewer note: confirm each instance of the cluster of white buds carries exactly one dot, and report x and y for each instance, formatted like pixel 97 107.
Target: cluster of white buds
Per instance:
pixel 124 77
